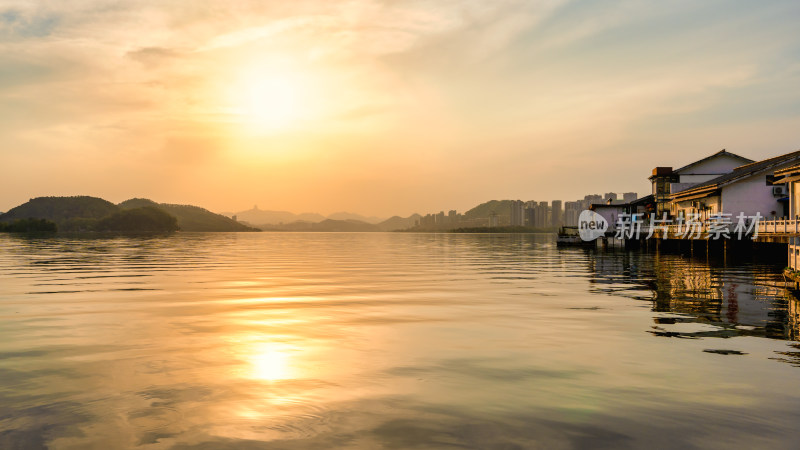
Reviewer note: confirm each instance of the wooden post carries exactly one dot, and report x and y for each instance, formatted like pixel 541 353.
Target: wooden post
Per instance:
pixel 725 252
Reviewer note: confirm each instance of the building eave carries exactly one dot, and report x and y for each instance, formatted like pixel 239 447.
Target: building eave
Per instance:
pixel 690 194
pixel 722 152
pixel 782 174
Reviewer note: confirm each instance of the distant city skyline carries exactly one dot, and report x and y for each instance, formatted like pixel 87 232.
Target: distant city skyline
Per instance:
pixel 384 108
pixel 518 213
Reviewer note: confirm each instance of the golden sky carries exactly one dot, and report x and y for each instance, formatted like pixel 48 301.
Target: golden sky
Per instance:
pixel 384 107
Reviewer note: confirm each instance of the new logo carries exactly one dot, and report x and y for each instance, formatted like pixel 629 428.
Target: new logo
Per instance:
pixel 591 225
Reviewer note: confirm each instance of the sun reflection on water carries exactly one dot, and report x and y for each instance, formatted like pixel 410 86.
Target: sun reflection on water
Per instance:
pixel 271 362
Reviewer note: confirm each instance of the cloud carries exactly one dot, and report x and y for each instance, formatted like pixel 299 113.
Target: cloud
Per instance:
pixel 245 36
pixel 461 84
pixel 19 24
pixel 153 56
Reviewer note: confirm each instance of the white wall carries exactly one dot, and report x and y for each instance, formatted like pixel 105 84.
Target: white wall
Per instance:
pixel 611 214
pixel 704 171
pixel 751 195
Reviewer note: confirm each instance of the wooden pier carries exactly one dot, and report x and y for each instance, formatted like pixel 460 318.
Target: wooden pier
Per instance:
pixel 773 237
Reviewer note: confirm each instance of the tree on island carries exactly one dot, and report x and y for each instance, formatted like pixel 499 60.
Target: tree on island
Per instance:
pixel 145 219
pixel 28 226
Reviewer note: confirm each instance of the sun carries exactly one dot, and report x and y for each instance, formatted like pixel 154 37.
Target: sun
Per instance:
pixel 269 97
pixel 271 102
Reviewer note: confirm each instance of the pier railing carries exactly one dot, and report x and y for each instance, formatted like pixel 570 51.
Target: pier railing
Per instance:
pixel 780 226
pixel 702 230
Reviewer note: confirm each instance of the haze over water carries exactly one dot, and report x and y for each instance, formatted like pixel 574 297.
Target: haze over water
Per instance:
pixel 388 340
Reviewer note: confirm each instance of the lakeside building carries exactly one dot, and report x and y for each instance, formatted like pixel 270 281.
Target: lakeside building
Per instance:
pixel 611 210
pixel 748 189
pixel 790 178
pixel 665 181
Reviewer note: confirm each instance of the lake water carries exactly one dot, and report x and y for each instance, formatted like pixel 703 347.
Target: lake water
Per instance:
pixel 388 340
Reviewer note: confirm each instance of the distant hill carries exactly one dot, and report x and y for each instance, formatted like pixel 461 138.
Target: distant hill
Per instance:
pixel 262 217
pixel 354 216
pixel 95 214
pixel 399 223
pixel 344 225
pixel 191 218
pixel 500 207
pixel 61 209
pixel 327 225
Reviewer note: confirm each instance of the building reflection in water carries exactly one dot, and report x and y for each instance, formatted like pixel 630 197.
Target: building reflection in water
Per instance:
pixel 735 298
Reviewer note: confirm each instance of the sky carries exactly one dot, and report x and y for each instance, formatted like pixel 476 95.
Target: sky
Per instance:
pixel 384 107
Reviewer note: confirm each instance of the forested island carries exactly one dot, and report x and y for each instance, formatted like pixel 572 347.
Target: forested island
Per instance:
pixel 92 214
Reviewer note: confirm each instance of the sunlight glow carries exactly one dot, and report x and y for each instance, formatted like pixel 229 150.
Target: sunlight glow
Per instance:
pixel 273 103
pixel 271 363
pixel 269 98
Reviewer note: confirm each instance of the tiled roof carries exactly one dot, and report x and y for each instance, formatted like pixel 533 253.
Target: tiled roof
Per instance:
pixel 743 171
pixel 722 152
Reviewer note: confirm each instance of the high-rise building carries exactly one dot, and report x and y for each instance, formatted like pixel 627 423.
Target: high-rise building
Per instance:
pixel 428 220
pixel 542 219
pixel 571 212
pixel 609 196
pixel 591 199
pixel 556 218
pixel 517 213
pixel 493 219
pixel 536 214
pixel 629 197
pixel 530 216
pixel 530 213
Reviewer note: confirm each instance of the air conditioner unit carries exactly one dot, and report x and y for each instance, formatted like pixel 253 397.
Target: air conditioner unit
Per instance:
pixel 779 191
